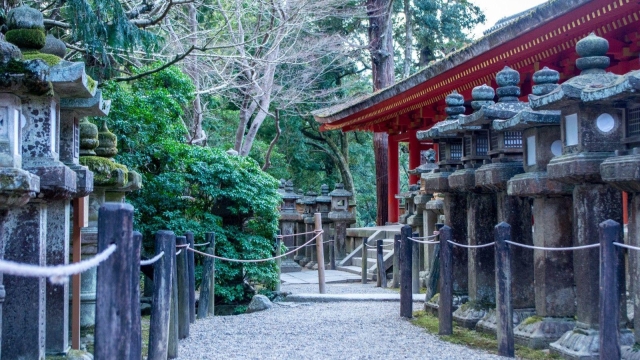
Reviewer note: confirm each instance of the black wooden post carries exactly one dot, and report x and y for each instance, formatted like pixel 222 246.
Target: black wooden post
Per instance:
pixel 278 259
pixel 609 233
pixel 504 311
pixel 173 314
pixel 445 302
pixel 191 265
pixel 113 292
pixel 162 288
pixel 205 287
pixel 211 239
pixel 406 296
pixel 382 273
pixel 183 289
pixel 364 266
pixel 332 253
pixel 395 281
pixel 136 326
pixel 434 270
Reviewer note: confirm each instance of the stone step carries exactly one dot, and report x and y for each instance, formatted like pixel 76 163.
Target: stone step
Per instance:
pixel 371 259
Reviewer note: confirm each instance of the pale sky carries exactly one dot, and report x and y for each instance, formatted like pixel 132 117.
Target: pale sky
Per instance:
pixel 495 10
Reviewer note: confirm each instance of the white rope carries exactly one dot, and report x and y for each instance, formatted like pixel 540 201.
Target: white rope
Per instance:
pixel 290 235
pixel 207 243
pixel 582 247
pixel 256 260
pixel 375 246
pixel 179 251
pixel 425 237
pixel 471 246
pixel 626 246
pixel 58 274
pixel 423 242
pixel 182 246
pixel 152 260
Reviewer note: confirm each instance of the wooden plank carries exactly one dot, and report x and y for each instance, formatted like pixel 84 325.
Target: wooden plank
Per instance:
pixel 136 326
pixel 382 273
pixel 364 266
pixel 191 265
pixel 319 240
pixel 165 241
pixel 504 310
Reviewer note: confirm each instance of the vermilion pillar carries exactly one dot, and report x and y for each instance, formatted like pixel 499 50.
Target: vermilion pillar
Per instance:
pixel 414 156
pixel 394 181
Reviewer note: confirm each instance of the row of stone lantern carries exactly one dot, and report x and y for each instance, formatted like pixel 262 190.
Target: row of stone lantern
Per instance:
pixel 44 103
pixel 560 159
pixel 297 217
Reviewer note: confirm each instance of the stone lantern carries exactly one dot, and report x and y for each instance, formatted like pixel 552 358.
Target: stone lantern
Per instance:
pixel 454 203
pixel 622 171
pixel 342 217
pixel 323 206
pixel 590 133
pixel 309 202
pixel 419 221
pixel 504 161
pixel 289 216
pixel 554 292
pixel 299 240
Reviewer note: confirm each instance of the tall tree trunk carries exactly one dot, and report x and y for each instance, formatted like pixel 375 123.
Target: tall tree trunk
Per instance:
pixel 408 39
pixel 381 48
pixel 197 133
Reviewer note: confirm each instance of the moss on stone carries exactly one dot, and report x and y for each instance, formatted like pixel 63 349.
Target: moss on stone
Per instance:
pixel 51 60
pixel 435 299
pixel 103 169
pixel 91 84
pixel 532 320
pixel 26 38
pixel 476 305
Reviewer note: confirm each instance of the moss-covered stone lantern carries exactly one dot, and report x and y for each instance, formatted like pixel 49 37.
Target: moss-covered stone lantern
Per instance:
pixel 289 216
pixel 341 216
pixel 309 202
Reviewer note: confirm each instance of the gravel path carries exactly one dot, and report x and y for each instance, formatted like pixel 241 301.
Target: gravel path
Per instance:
pixel 320 331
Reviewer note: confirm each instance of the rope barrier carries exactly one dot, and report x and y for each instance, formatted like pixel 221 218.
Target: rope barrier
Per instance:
pixel 626 246
pixel 182 246
pixel 582 247
pixel 320 232
pixel 425 237
pixel 424 242
pixel 179 251
pixel 290 235
pixel 375 246
pixel 205 244
pixel 58 274
pixel 152 260
pixel 471 246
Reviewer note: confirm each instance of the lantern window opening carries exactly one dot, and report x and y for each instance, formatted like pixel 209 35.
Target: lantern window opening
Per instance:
pixel 633 122
pixel 512 139
pixel 494 140
pixel 442 153
pixel 571 129
pixel 456 150
pixel 482 145
pixel 467 146
pixel 531 150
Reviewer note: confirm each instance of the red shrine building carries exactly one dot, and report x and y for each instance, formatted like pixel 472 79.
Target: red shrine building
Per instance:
pixel 543 36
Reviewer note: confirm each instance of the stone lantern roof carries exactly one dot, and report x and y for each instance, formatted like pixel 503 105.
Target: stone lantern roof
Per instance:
pixel 289 193
pixel 339 191
pixel 455 108
pixel 591 82
pixel 324 196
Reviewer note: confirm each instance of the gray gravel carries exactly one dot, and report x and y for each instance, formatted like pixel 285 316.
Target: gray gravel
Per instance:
pixel 358 330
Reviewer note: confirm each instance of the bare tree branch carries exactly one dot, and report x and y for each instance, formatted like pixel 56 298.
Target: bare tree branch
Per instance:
pixel 267 157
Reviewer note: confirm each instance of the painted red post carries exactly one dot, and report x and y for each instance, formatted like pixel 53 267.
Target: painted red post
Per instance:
pixel 394 182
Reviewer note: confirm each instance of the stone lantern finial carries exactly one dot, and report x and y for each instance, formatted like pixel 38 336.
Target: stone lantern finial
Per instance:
pixel 508 89
pixel 88 138
pixel 324 190
pixel 545 80
pixel 593 59
pixel 26 28
pixel 455 105
pixel 288 187
pixel 108 143
pixel 482 96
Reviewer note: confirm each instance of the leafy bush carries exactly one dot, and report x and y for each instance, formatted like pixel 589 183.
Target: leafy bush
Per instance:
pixel 192 188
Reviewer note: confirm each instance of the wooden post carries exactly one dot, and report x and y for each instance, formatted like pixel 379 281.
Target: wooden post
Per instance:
pixel 382 272
pixel 113 290
pixel 395 282
pixel 79 221
pixel 415 265
pixel 191 265
pixel 173 314
pixel 278 259
pixel 434 273
pixel 364 266
pixel 609 233
pixel 211 239
pixel 504 311
pixel 162 288
pixel 332 253
pixel 136 326
pixel 319 241
pixel 406 296
pixel 205 288
pixel 445 302
pixel 183 289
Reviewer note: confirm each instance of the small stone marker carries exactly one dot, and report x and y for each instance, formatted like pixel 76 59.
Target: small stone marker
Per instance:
pixel 259 303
